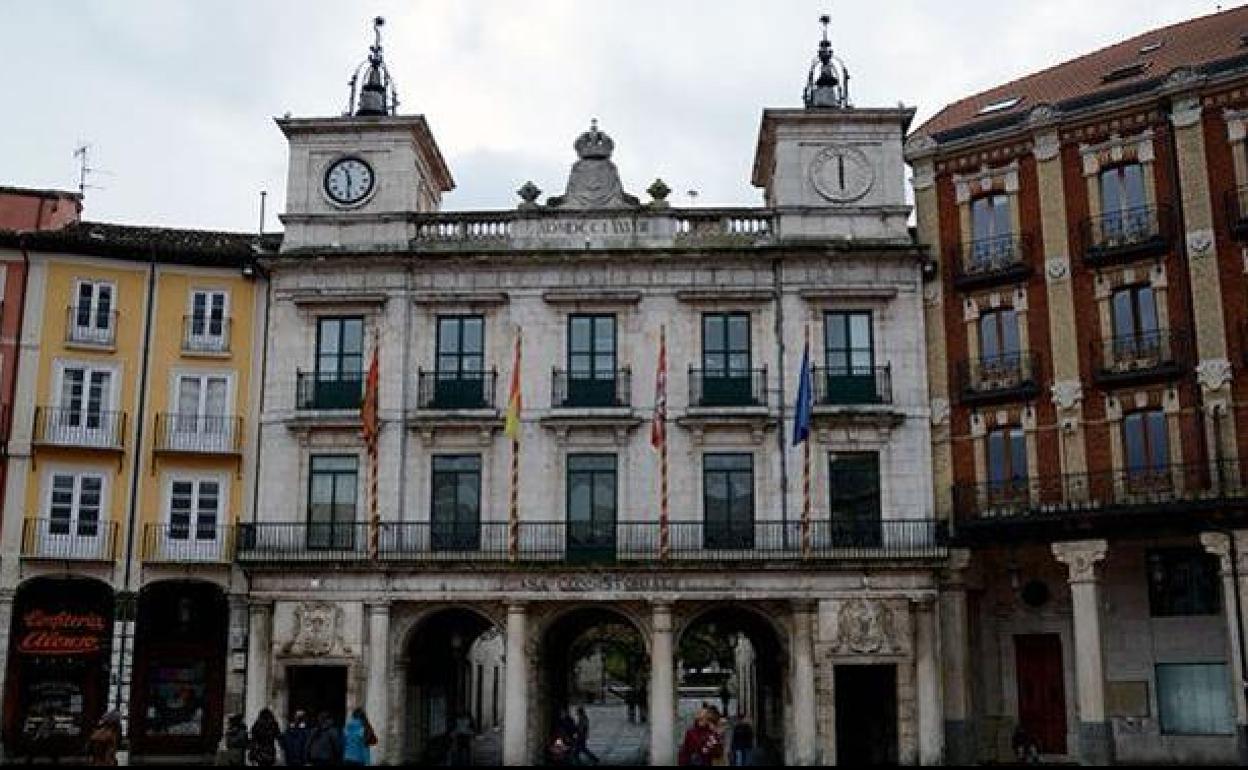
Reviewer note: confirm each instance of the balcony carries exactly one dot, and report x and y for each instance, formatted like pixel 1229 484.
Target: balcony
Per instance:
pixel 449 391
pixel 205 336
pixel 991 261
pixel 79 427
pixel 733 388
pixel 586 390
pixel 1139 358
pixel 853 385
pixel 199 434
pixel 1237 212
pixel 187 543
pixel 1010 377
pixel 1126 235
pixel 91 327
pixel 63 538
pixel 339 391
pixel 1172 497
pixel 559 543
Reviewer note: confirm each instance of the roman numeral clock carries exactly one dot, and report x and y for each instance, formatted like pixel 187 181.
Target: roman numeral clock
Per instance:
pixel 842 173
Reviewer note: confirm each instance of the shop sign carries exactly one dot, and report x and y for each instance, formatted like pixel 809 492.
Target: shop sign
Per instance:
pixel 62 633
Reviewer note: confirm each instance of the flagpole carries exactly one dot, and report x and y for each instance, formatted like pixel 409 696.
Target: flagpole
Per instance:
pixel 374 511
pixel 513 408
pixel 665 534
pixel 806 467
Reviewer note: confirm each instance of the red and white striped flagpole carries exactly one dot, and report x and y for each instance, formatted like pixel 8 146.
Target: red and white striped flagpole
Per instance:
pixel 806 464
pixel 658 437
pixel 372 427
pixel 511 427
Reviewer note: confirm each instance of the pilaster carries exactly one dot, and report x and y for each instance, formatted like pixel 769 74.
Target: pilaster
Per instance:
pixel 1082 559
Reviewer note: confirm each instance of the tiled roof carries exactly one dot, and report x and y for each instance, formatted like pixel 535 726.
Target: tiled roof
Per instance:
pixel 201 247
pixel 1196 43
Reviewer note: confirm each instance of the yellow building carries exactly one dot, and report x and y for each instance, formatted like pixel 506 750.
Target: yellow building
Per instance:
pixel 129 462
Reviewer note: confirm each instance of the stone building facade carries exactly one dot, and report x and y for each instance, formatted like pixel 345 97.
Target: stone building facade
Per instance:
pixel 1085 344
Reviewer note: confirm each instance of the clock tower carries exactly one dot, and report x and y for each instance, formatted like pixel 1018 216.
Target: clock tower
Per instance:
pixel 832 169
pixel 354 180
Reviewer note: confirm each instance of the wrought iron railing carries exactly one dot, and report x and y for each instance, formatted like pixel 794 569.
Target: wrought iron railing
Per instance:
pixel 329 390
pixel 1161 352
pixel 77 539
pixel 1008 375
pixel 589 389
pixel 188 542
pixel 1128 234
pixel 86 325
pixel 730 387
pixel 456 390
pixel 986 261
pixel 79 426
pixel 198 433
pixel 853 385
pixel 205 334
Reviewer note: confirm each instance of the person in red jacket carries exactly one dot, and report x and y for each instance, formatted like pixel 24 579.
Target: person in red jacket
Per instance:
pixel 702 744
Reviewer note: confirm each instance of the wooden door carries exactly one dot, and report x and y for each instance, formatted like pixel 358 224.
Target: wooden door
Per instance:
pixel 1041 690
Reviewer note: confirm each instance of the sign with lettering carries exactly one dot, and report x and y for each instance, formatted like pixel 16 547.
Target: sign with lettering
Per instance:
pixel 62 633
pixel 590 583
pixel 577 231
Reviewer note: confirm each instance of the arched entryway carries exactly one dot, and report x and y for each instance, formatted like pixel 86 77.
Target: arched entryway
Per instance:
pixel 178 691
pixel 596 659
pixel 58 668
pixel 455 676
pixel 731 657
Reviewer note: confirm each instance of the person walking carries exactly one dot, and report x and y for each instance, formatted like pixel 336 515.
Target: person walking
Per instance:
pixel 295 740
pixel 357 738
pixel 702 744
pixel 324 743
pixel 742 741
pixel 104 740
pixel 582 737
pixel 265 733
pixel 235 742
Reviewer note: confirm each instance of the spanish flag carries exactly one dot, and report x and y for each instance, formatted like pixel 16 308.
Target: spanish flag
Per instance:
pixel 511 425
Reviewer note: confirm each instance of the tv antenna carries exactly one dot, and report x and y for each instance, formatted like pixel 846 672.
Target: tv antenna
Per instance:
pixel 85 169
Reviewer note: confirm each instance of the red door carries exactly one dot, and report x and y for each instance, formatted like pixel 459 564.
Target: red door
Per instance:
pixel 1041 690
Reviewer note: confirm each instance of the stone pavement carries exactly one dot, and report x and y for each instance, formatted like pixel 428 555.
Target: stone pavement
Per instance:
pixel 614 739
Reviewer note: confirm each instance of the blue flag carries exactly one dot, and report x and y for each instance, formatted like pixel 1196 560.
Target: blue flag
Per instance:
pixel 805 400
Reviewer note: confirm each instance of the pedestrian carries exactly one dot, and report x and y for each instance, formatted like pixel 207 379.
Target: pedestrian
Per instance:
pixel 702 744
pixel 563 740
pixel 582 737
pixel 265 733
pixel 295 740
pixel 357 738
pixel 461 741
pixel 324 743
pixel 236 742
pixel 104 740
pixel 742 741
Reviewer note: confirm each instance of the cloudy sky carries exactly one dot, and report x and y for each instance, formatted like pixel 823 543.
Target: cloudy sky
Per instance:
pixel 176 97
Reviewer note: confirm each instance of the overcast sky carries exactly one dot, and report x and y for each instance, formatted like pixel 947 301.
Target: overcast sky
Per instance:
pixel 177 97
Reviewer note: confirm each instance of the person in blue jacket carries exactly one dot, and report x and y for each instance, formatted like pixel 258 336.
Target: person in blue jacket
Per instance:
pixel 357 737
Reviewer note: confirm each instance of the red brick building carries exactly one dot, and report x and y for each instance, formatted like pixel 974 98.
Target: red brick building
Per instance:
pixel 1087 358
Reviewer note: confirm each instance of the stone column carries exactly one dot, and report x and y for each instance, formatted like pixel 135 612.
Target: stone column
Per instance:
pixel 662 688
pixel 376 697
pixel 955 653
pixel 516 690
pixel 927 683
pixel 805 723
pixel 1082 557
pixel 236 657
pixel 259 656
pixel 6 626
pixel 1219 544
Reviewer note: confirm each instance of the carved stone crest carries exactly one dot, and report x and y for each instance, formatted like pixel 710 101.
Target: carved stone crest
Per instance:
pixel 866 628
pixel 940 411
pixel 594 182
pixel 1067 394
pixel 1213 373
pixel 1056 268
pixel 1200 243
pixel 318 630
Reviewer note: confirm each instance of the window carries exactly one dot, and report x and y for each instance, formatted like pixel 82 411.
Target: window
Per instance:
pixel 331 501
pixel 998 338
pixel 461 362
pixel 1007 465
pixel 1194 699
pixel 854 491
pixel 591 360
pixel 75 503
pixel 339 363
pixel 456 516
pixel 194 509
pixel 728 500
pixel 850 357
pixel 726 359
pixel 206 330
pixel 990 220
pixel 93 313
pixel 83 413
pixel 1124 213
pixel 591 503
pixel 1133 311
pixel 201 420
pixel 1145 442
pixel 1183 581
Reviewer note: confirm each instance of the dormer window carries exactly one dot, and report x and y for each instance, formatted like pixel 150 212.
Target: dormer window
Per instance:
pixel 1000 105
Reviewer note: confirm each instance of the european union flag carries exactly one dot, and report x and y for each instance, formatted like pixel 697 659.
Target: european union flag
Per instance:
pixel 805 400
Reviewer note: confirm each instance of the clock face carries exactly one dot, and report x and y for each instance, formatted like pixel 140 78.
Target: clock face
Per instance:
pixel 349 181
pixel 841 174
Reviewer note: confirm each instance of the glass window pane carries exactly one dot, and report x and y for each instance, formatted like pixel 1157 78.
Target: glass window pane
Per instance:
pixel 1009 332
pixel 579 334
pixel 353 335
pixel 1133 186
pixel 860 330
pixel 448 335
pixel 1194 699
pixel 330 328
pixel 834 324
pixel 739 332
pixel 713 337
pixel 981 220
pixel 997 469
pixel 604 334
pixel 580 496
pixel 1134 441
pixel 473 335
pixel 1111 196
pixel 989 337
pixel 1147 308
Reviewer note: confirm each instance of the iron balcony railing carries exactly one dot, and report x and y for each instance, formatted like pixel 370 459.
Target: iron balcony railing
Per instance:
pixel 1124 235
pixel 329 390
pixel 199 434
pixel 837 386
pixel 987 261
pixel 578 542
pixel 1156 354
pixel 1162 488
pixel 188 542
pixel 589 389
pixel 1237 212
pixel 205 334
pixel 731 387
pixel 85 325
pixel 1012 375
pixel 456 390
pixel 71 538
pixel 79 427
